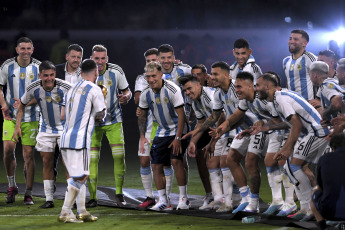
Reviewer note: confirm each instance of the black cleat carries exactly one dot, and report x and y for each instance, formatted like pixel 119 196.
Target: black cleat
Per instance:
pixel 47 204
pixel 91 203
pixel 120 200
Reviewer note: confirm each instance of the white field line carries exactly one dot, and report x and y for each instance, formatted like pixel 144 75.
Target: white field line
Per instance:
pixel 108 214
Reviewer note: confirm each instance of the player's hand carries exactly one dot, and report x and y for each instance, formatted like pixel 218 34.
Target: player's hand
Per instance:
pixel 315 102
pixel 123 99
pixel 244 133
pixel 190 134
pixel 143 142
pixel 16 104
pixel 216 133
pixel 283 154
pixel 176 147
pixel 340 119
pixel 6 113
pixel 138 112
pixel 209 150
pixel 325 123
pixel 258 129
pixel 17 132
pixel 191 149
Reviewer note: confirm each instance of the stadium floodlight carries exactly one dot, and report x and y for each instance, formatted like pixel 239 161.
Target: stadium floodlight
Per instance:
pixel 338 35
pixel 287 19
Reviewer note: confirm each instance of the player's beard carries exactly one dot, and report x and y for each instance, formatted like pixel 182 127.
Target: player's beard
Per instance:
pixel 263 95
pixel 294 50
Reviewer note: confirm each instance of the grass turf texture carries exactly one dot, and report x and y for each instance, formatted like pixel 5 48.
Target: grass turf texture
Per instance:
pixel 20 216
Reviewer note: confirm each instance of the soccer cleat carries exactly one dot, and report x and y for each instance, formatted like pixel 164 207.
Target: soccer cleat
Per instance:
pixel 213 205
pixel 273 208
pixel 224 208
pixel 120 200
pixel 91 203
pixel 11 194
pixel 161 206
pixel 254 208
pixel 298 215
pixel 148 202
pixel 287 209
pixel 183 204
pixel 207 199
pixel 68 217
pixel 244 203
pixel 28 200
pixel 86 217
pixel 47 204
pixel 309 216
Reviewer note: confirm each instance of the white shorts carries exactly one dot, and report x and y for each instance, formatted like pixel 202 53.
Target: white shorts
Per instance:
pixel 76 161
pixel 222 146
pixel 275 141
pixel 310 148
pixel 46 142
pixel 255 144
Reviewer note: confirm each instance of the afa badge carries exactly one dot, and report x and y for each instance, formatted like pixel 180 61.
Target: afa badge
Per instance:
pixel 58 98
pixel 330 85
pixel 49 99
pixel 291 67
pixel 166 100
pixel 110 82
pixel 22 75
pixel 100 83
pixel 31 76
pixel 158 100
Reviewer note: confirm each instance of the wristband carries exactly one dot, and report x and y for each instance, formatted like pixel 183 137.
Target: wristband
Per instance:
pixel 178 138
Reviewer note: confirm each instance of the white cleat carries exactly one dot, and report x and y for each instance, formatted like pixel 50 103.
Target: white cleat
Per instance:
pixel 183 204
pixel 214 205
pixel 224 208
pixel 207 200
pixel 162 206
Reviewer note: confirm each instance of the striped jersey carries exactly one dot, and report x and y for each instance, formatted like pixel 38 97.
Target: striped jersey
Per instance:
pixel 229 102
pixel 297 74
pixel 163 105
pixel 17 78
pixel 49 102
pixel 82 102
pixel 115 80
pixel 203 107
pixel 328 89
pixel 250 66
pixel 288 103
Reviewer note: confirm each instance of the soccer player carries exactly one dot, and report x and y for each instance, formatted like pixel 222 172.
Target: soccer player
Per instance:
pixel 151 128
pixel 244 60
pixel 164 99
pixel 17 73
pixel 341 71
pixel 113 78
pixel 329 57
pixel 304 119
pixel 70 71
pixel 202 98
pixel 296 66
pixel 200 71
pixel 84 105
pixel 49 93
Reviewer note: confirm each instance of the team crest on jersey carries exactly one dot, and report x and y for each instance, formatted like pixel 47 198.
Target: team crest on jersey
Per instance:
pixel 227 101
pixel 166 100
pixel 100 82
pixel 22 75
pixel 330 85
pixel 110 82
pixel 291 67
pixel 49 99
pixel 158 100
pixel 31 76
pixel 57 98
pixel 299 67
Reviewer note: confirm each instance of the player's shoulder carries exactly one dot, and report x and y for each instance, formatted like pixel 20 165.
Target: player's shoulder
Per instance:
pixel 253 67
pixel 62 83
pixel 8 62
pixel 140 77
pixel 34 85
pixel 207 93
pixel 171 86
pixel 182 66
pixel 146 90
pixel 36 62
pixel 233 66
pixel 115 68
pixel 310 56
pixel 287 59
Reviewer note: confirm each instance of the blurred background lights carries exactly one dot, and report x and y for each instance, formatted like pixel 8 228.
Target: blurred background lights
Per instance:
pixel 287 19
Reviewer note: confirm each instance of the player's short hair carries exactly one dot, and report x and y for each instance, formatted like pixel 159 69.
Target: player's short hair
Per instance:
pixel 276 76
pixel 187 78
pixel 319 67
pixel 269 77
pixel 75 47
pixel 165 48
pixel 241 43
pixel 341 63
pixel 245 76
pixel 151 52
pixel 25 40
pixel 46 65
pixel 328 53
pixel 150 67
pixel 304 34
pixel 88 65
pixel 99 48
pixel 337 141
pixel 221 64
pixel 200 66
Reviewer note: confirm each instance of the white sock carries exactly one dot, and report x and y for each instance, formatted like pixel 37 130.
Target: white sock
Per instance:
pixel 289 189
pixel 11 181
pixel 303 190
pixel 49 189
pixel 80 201
pixel 227 186
pixel 183 191
pixel 216 184
pixel 274 180
pixel 71 195
pixel 146 179
pixel 169 177
pixel 162 195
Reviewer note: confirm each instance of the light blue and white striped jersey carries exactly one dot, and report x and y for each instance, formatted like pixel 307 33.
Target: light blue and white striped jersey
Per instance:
pixel 288 103
pixel 203 107
pixel 115 80
pixel 250 66
pixel 328 89
pixel 140 85
pixel 297 74
pixel 17 78
pixel 229 102
pixel 262 108
pixel 82 102
pixel 49 102
pixel 162 106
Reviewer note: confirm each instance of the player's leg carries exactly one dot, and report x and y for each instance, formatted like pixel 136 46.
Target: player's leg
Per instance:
pixel 29 133
pixel 96 142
